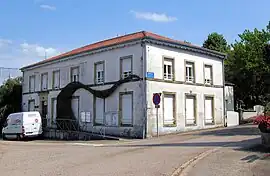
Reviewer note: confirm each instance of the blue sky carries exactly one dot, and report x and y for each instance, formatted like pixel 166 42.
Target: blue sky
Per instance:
pixel 28 28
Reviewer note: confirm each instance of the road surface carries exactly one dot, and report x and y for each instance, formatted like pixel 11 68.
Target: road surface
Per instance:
pixel 152 157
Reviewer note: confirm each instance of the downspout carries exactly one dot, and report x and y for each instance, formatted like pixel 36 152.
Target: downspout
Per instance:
pixel 224 110
pixel 144 88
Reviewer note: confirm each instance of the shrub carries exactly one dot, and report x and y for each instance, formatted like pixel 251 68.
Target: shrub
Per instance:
pixel 263 122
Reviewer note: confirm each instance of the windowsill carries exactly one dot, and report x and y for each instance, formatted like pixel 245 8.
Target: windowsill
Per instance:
pixel 208 84
pixel 126 125
pixel 168 80
pixel 189 82
pixel 169 125
pixel 98 124
pixel 191 125
pixel 209 124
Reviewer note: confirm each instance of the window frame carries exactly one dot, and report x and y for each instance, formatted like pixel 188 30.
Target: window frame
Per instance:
pixel 174 109
pixel 121 65
pixel 121 107
pixel 168 59
pixel 34 88
pixel 211 74
pixel 94 112
pixel 95 72
pixel 53 80
pixel 71 73
pixel 187 80
pixel 194 96
pixel 47 80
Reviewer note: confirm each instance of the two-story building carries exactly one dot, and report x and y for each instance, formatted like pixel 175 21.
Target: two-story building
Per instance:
pixel 92 85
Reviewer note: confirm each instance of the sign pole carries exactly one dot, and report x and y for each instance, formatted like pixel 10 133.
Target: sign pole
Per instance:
pixel 157 120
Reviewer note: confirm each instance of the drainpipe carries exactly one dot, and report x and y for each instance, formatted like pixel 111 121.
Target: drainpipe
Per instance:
pixel 224 111
pixel 144 87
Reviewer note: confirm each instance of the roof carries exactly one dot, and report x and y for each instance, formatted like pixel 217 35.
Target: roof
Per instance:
pixel 120 40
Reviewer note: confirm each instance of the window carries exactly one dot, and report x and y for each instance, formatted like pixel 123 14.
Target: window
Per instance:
pixel 99 111
pixel 54 111
pixel 75 74
pixel 126 109
pixel 44 81
pixel 32 80
pixel 56 79
pixel 208 74
pixel 209 110
pixel 168 69
pixel 126 66
pixel 190 110
pixel 190 72
pixel 169 109
pixel 99 73
pixel 31 105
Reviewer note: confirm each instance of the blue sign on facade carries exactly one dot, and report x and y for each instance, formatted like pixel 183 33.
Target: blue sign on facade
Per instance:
pixel 150 75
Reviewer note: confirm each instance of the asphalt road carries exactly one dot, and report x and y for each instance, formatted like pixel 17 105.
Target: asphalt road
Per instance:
pixel 158 156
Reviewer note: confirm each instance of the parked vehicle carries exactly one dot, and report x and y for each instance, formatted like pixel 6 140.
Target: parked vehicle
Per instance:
pixel 22 125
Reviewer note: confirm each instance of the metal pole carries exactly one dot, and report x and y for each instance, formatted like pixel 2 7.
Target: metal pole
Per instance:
pixel 157 122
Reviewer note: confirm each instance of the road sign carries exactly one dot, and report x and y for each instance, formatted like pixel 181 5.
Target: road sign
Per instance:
pixel 36 120
pixel 156 98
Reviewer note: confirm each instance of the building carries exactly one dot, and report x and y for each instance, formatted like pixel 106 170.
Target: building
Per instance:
pixel 109 86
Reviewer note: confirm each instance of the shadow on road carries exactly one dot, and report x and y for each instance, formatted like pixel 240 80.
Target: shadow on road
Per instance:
pixel 246 130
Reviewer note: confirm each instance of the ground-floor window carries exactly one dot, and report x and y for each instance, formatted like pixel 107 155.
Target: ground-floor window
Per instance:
pixel 99 111
pixel 75 105
pixel 31 105
pixel 190 109
pixel 209 109
pixel 126 108
pixel 169 109
pixel 54 111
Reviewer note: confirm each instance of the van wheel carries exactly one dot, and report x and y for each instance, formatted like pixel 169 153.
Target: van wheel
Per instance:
pixel 18 137
pixel 4 137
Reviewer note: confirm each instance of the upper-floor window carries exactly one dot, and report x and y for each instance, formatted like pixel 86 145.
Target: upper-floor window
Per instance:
pixel 99 72
pixel 208 76
pixel 56 79
pixel 75 74
pixel 44 81
pixel 32 80
pixel 126 66
pixel 168 69
pixel 190 72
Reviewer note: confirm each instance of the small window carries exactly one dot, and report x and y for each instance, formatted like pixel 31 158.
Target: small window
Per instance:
pixel 44 81
pixel 99 73
pixel 168 69
pixel 126 66
pixel 75 74
pixel 190 72
pixel 32 80
pixel 208 74
pixel 56 79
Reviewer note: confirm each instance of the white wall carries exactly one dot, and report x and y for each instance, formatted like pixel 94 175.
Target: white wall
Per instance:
pixel 86 63
pixel 154 64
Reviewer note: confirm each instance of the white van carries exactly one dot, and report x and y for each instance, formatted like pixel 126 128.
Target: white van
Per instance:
pixel 22 124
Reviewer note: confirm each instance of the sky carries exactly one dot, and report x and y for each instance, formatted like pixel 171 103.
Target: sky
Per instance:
pixel 31 28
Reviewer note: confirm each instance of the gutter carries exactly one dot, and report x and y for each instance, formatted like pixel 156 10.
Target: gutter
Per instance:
pixel 225 112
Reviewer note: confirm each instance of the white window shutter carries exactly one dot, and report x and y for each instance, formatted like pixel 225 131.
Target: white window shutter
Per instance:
pixel 126 65
pixel 99 67
pixel 166 62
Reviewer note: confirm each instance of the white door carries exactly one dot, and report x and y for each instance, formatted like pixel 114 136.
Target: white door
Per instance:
pixel 75 106
pixel 127 112
pixel 208 108
pixel 31 106
pixel 99 111
pixel 168 109
pixel 190 110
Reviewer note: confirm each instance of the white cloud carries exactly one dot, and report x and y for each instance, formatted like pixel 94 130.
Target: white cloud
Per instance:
pixel 47 7
pixel 38 51
pixel 156 17
pixel 5 42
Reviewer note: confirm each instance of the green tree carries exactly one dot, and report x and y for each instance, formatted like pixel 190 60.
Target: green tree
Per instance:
pixel 216 42
pixel 247 66
pixel 10 98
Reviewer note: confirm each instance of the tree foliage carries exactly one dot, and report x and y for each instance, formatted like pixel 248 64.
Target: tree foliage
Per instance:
pixel 247 66
pixel 216 42
pixel 10 98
